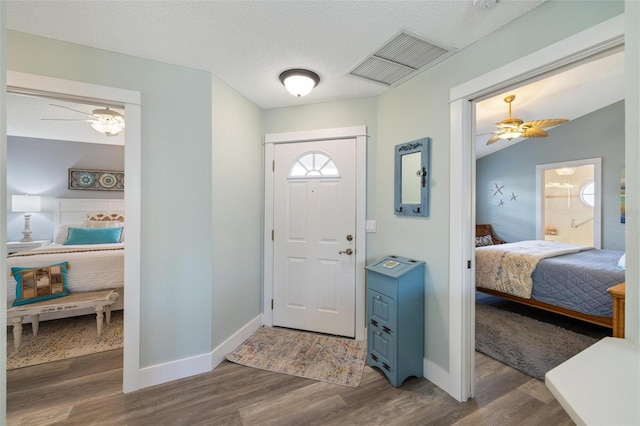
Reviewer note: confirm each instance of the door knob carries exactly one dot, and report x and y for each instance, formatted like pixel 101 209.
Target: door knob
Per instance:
pixel 347 251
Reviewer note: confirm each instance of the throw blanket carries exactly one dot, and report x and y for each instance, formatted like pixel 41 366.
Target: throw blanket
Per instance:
pixel 507 268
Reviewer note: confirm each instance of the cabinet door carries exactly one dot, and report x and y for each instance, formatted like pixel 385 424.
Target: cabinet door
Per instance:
pixel 381 347
pixel 382 310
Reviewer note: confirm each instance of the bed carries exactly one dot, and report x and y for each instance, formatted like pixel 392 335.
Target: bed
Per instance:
pixel 91 266
pixel 563 278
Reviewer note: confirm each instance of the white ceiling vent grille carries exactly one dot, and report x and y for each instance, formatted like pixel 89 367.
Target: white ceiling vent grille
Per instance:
pixel 400 57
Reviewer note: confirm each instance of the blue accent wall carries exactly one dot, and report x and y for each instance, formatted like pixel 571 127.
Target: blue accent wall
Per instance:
pixel 599 134
pixel 40 167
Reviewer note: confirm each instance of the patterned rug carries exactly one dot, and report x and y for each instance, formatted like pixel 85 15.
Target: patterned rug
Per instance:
pixel 312 356
pixel 64 338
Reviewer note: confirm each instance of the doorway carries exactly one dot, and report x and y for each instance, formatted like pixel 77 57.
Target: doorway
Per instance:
pixel 130 101
pixel 608 34
pixel 340 250
pixel 569 207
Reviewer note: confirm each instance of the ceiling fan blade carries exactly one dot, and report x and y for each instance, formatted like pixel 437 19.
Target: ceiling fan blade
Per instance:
pixel 492 140
pixel 67 119
pixel 534 132
pixel 545 123
pixel 76 110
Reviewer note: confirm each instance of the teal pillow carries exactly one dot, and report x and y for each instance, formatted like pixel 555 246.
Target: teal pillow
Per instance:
pixel 79 236
pixel 36 284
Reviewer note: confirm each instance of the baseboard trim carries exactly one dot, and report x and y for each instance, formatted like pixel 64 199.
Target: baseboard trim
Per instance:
pixel 437 375
pixel 218 355
pixel 179 369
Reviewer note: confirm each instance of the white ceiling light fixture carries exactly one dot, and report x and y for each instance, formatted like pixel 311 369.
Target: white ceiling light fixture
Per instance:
pixel 299 82
pixel 107 121
pixel 103 120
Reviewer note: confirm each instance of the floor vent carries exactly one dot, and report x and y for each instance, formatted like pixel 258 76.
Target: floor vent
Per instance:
pixel 401 56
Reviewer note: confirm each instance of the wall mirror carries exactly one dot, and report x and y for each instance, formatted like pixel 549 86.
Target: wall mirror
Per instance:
pixel 412 178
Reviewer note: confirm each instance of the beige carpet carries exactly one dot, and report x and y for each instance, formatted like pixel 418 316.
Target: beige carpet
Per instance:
pixel 64 338
pixel 312 356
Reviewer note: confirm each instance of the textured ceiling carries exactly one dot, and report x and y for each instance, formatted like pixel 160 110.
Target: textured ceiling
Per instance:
pixel 249 43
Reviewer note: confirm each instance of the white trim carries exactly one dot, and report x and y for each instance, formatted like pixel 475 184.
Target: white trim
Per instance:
pixel 437 375
pixel 131 101
pixel 461 287
pixel 225 348
pixel 597 208
pixel 360 134
pixel 174 370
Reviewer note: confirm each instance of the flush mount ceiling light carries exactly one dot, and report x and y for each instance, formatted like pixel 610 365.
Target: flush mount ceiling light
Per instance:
pixel 299 82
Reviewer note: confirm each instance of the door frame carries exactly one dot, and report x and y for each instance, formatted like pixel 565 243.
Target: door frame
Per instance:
pixel 460 381
pixel 359 133
pixel 131 101
pixel 597 208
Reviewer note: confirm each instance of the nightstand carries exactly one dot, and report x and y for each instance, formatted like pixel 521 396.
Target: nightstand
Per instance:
pixel 16 246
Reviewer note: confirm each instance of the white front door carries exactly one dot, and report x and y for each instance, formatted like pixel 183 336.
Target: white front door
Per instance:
pixel 314 236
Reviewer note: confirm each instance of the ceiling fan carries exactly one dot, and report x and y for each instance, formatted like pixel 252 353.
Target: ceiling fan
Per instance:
pixel 103 120
pixel 513 127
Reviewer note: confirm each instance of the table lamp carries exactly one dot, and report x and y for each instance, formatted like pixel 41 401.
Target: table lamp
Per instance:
pixel 26 204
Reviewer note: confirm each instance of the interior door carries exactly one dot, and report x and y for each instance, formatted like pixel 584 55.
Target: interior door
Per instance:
pixel 314 236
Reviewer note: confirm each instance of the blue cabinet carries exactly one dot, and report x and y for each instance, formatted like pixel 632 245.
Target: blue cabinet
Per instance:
pixel 395 317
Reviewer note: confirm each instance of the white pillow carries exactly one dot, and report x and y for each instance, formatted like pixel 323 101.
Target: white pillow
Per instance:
pixel 63 232
pixel 623 262
pixel 105 224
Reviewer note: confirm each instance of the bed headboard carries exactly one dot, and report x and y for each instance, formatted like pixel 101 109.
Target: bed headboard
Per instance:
pixel 75 210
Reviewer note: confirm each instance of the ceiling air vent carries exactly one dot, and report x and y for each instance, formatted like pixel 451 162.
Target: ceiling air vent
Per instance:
pixel 400 57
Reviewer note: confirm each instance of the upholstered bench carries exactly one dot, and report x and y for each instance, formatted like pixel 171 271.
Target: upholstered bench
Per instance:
pixel 100 300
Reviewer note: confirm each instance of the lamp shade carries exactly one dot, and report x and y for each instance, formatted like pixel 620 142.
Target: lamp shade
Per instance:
pixel 26 203
pixel 299 82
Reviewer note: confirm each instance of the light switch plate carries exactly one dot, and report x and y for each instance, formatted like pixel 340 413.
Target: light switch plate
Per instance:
pixel 370 226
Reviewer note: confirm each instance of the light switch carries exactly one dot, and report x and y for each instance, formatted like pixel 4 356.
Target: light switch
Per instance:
pixel 370 226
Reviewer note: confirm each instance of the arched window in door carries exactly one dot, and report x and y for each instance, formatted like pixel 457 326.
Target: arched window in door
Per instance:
pixel 314 164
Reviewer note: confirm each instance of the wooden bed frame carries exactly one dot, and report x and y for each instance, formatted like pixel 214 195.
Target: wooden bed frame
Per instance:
pixel 482 230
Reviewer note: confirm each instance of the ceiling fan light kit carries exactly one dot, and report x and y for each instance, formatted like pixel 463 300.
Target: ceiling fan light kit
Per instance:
pixel 102 120
pixel 299 82
pixel 512 127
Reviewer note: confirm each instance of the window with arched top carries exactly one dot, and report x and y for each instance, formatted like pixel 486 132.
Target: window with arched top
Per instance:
pixel 314 164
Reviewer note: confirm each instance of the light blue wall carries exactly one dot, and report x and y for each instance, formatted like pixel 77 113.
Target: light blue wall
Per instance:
pixel 40 166
pixel 176 272
pixel 599 134
pixel 237 211
pixel 420 107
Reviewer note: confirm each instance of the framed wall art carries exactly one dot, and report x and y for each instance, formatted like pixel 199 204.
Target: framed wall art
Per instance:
pixel 96 180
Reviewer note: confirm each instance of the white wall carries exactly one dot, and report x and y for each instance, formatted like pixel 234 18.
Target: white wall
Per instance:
pixel 237 211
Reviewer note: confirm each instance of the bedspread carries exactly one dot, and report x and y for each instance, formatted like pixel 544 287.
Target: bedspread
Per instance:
pixel 92 267
pixel 508 267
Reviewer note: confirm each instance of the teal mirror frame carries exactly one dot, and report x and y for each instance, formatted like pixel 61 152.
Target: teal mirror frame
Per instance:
pixel 416 204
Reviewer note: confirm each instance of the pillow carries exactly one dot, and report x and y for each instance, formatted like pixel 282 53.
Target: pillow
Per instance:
pixel 41 283
pixel 63 232
pixel 623 262
pixel 79 236
pixel 484 241
pixel 105 217
pixel 93 224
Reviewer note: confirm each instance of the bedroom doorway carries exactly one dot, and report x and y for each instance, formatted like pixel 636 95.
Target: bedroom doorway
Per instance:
pixel 130 101
pixel 606 35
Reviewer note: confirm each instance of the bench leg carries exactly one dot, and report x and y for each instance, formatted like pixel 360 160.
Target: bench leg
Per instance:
pixel 107 314
pixel 17 332
pixel 35 323
pixel 99 319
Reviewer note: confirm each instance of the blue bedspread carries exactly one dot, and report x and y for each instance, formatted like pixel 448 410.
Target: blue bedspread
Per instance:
pixel 579 281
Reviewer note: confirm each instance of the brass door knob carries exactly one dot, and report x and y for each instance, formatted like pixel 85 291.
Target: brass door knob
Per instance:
pixel 347 251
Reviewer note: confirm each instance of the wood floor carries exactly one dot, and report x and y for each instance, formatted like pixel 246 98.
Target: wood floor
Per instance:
pixel 87 391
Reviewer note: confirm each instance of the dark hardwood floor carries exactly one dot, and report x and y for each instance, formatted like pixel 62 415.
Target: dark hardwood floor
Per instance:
pixel 87 391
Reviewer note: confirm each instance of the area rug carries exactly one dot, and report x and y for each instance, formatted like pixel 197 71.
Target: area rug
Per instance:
pixel 309 355
pixel 531 346
pixel 64 338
